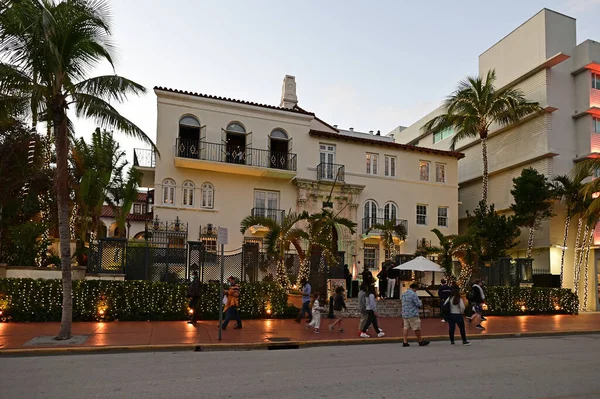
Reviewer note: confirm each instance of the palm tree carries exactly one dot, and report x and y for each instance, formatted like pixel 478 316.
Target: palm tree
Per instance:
pixel 445 251
pixel 474 107
pixel 280 236
pixel 390 230
pixel 48 50
pixel 122 193
pixel 568 190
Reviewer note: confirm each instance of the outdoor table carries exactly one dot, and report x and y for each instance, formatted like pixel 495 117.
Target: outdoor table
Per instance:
pixel 428 299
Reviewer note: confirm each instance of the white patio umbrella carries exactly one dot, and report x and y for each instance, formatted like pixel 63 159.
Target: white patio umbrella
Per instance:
pixel 420 264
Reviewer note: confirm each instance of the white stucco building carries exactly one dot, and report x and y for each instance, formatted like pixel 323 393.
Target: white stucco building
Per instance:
pixel 224 159
pixel 543 58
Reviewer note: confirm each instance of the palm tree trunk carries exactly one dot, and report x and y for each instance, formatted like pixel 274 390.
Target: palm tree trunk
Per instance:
pixel 484 183
pixel 530 242
pixel 564 249
pixel 576 259
pixel 62 190
pixel 583 306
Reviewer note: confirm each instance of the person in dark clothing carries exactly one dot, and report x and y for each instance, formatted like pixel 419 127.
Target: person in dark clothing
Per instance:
pixel 477 298
pixel 339 307
pixel 382 276
pixel 194 292
pixel 455 317
pixel 306 291
pixel 392 276
pixel 444 293
pixel 348 277
pixel 367 277
pixel 232 304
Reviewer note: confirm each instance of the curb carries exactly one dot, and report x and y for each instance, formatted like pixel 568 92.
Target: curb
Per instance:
pixel 265 345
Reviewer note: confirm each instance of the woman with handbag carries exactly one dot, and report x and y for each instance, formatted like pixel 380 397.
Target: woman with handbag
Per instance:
pixel 453 310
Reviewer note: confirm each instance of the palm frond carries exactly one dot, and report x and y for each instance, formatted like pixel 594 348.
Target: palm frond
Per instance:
pixel 109 88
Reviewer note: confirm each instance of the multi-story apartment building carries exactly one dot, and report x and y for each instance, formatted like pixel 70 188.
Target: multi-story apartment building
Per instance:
pixel 223 159
pixel 543 59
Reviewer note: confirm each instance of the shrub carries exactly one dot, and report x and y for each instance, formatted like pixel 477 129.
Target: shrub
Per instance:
pixel 518 301
pixel 40 300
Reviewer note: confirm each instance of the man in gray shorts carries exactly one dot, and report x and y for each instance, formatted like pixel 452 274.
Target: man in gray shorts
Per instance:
pixel 410 315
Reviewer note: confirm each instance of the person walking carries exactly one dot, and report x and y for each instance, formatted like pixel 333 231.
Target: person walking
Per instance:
pixel 383 280
pixel 316 314
pixel 410 315
pixel 371 306
pixel 194 292
pixel 231 307
pixel 477 298
pixel 362 307
pixel 444 293
pixel 339 307
pixel 456 308
pixel 306 288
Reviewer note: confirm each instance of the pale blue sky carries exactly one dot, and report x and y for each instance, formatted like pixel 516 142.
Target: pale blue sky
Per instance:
pixel 370 65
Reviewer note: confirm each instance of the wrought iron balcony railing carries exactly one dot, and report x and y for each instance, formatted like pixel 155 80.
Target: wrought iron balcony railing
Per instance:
pixel 273 214
pixel 331 172
pixel 226 153
pixel 144 158
pixel 368 223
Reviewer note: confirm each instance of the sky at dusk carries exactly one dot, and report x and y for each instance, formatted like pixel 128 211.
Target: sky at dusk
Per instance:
pixel 368 65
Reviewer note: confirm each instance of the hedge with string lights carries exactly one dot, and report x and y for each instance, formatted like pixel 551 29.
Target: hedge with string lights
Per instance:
pixel 27 300
pixel 520 301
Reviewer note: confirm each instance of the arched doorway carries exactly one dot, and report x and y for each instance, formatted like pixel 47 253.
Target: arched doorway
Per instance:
pixel 235 142
pixel 188 143
pixel 279 147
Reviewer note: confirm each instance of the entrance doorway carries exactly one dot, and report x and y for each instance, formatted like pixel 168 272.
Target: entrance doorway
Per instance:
pixel 235 137
pixel 188 144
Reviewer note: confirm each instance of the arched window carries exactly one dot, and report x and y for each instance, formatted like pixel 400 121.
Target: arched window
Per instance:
pixel 189 121
pixel 279 134
pixel 188 193
pixel 168 189
pixel 390 211
pixel 189 137
pixel 370 215
pixel 236 127
pixel 208 193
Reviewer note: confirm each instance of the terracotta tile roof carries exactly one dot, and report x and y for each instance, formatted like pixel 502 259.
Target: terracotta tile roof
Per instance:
pixel 107 212
pixel 338 136
pixel 142 197
pixel 317 118
pixel 233 100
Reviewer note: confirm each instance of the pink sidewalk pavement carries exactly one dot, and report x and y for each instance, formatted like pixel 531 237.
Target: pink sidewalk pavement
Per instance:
pixel 17 336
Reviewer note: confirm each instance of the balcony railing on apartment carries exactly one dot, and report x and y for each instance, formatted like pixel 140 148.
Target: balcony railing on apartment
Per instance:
pixel 331 172
pixel 226 153
pixel 144 158
pixel 370 222
pixel 273 214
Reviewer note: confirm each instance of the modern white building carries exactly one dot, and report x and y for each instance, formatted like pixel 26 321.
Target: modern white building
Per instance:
pixel 543 58
pixel 223 159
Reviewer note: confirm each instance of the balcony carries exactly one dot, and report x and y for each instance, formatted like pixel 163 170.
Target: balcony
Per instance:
pixel 144 158
pixel 273 214
pixel 330 172
pixel 368 222
pixel 226 158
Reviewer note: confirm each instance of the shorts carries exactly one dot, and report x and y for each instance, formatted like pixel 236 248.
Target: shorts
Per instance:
pixel 338 314
pixel 413 323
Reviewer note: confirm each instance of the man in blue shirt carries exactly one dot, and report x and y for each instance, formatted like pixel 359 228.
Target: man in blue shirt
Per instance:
pixel 410 315
pixel 305 302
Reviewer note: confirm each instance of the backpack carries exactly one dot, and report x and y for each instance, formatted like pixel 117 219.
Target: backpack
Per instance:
pixel 446 308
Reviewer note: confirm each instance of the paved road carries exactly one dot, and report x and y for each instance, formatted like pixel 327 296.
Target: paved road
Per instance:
pixel 561 367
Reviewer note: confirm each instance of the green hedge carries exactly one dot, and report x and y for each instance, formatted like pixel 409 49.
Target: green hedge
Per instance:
pixel 506 301
pixel 40 300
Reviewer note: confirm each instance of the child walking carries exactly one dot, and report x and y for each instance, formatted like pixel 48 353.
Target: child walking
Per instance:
pixel 339 306
pixel 316 313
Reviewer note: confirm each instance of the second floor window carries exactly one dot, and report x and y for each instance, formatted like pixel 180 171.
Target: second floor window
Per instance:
pixel 422 215
pixel 440 173
pixel 390 212
pixel 372 164
pixel 168 191
pixel 424 170
pixel 137 208
pixel 207 193
pixel 390 166
pixel 443 216
pixel 596 81
pixel 188 193
pixel 442 135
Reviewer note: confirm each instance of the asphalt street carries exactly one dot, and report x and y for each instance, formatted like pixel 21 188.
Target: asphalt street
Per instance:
pixel 556 368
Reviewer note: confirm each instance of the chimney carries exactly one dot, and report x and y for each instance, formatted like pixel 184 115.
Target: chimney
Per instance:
pixel 335 126
pixel 379 132
pixel 351 129
pixel 288 92
pixel 370 132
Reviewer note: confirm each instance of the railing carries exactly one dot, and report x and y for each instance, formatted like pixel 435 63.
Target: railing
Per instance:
pixel 273 214
pixel 144 158
pixel 369 222
pixel 194 149
pixel 329 171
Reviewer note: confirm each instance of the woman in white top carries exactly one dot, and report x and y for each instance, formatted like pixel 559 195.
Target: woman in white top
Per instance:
pixel 371 315
pixel 457 309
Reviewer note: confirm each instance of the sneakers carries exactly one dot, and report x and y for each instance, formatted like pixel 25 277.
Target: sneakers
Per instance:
pixel 466 343
pixel 405 344
pixel 451 343
pixel 443 321
pixel 317 331
pixel 364 335
pixel 483 318
pixel 237 327
pixel 341 330
pixel 381 334
pixel 480 327
pixel 423 343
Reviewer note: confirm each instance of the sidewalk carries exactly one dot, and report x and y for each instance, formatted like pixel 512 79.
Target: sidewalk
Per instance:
pixel 16 337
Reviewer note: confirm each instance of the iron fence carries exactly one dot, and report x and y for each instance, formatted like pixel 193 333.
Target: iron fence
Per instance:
pixel 144 158
pixel 369 222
